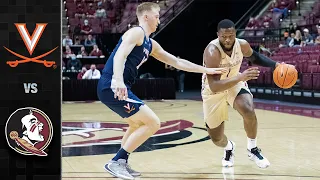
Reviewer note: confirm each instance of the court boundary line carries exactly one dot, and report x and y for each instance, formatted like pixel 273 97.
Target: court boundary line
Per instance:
pixel 239 174
pixel 154 178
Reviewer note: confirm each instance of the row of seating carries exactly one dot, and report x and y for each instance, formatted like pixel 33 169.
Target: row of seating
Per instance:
pixel 118 17
pixel 113 13
pixel 270 19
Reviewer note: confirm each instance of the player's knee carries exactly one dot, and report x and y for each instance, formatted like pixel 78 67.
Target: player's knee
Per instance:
pixel 134 125
pixel 246 109
pixel 154 124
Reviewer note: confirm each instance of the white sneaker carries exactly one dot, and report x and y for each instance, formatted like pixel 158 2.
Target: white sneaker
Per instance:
pixel 118 169
pixel 228 157
pixel 132 172
pixel 255 155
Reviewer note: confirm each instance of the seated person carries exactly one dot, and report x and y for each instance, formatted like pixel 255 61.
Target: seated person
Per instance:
pixel 92 73
pixel 74 63
pixel 100 12
pixel 68 52
pixel 67 41
pixel 96 52
pixel 86 28
pixel 80 74
pixel 307 39
pixel 82 51
pixel 90 41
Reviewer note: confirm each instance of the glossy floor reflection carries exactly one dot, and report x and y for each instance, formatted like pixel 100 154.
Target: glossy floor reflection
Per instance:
pixel 288 136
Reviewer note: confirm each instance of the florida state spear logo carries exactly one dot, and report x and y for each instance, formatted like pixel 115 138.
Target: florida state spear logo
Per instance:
pixel 29 131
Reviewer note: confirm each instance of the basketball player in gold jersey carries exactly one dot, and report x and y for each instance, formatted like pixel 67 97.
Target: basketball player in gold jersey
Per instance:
pixel 231 88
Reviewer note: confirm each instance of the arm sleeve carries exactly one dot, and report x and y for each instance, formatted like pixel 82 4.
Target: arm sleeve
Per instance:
pixel 261 60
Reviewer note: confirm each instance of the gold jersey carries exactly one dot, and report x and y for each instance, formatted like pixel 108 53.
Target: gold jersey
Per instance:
pixel 232 64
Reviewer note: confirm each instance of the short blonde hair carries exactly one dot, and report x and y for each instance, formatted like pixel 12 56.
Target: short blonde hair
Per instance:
pixel 146 6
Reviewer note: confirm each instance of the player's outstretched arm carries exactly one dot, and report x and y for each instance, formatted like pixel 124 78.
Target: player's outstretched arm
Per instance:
pixel 255 57
pixel 212 59
pixel 160 54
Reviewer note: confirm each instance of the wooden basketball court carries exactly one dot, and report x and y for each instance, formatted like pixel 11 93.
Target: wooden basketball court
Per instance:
pixel 288 136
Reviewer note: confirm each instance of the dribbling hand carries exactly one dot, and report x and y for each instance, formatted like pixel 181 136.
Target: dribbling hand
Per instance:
pixel 251 73
pixel 121 91
pixel 216 70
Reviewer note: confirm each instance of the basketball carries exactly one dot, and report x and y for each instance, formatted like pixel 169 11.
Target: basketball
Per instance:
pixel 285 76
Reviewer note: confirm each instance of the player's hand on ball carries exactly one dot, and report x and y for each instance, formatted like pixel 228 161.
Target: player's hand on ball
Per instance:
pixel 121 91
pixel 251 73
pixel 216 70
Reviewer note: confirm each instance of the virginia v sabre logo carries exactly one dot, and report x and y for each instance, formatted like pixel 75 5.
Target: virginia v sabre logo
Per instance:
pixel 31 43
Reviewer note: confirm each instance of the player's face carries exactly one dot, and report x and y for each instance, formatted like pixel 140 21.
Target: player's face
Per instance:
pixel 227 38
pixel 153 19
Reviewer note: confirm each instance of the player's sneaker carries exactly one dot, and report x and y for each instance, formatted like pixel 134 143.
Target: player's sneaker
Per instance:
pixel 255 155
pixel 118 169
pixel 228 158
pixel 132 172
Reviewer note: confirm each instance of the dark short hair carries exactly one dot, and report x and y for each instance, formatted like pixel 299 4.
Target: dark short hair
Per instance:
pixel 225 24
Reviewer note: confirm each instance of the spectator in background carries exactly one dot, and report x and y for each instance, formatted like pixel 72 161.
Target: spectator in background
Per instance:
pixel 90 41
pixel 68 52
pixel 293 28
pixel 92 73
pixel 74 63
pixel 267 23
pixel 252 23
pixel 67 41
pixel 287 40
pixel 307 39
pixel 86 28
pixel 96 51
pixel 297 40
pixel 80 74
pixel 80 11
pixel 77 29
pixel 77 41
pixel 100 12
pixel 82 51
pixel 91 11
pixel 276 8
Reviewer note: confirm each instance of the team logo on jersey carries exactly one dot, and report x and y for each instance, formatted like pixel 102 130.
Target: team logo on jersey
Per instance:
pixel 94 138
pixel 29 131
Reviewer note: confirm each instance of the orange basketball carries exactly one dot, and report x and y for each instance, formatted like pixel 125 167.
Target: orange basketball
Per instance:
pixel 285 76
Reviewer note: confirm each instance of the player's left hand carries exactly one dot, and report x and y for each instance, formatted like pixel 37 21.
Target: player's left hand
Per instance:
pixel 216 70
pixel 121 91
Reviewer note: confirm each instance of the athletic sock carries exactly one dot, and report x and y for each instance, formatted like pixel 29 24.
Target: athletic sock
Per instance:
pixel 122 154
pixel 229 146
pixel 252 143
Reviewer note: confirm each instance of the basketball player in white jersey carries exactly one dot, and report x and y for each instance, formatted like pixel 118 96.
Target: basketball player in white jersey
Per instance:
pixel 219 91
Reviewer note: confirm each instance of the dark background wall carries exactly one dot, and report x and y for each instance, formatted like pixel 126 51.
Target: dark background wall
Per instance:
pixel 188 34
